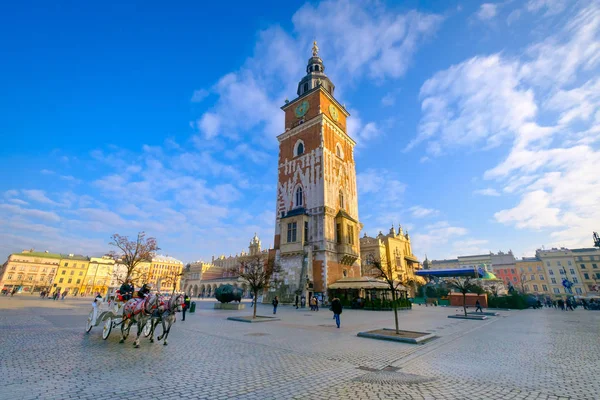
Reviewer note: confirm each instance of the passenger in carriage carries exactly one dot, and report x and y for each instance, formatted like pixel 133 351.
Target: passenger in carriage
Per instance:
pixel 126 290
pixel 144 291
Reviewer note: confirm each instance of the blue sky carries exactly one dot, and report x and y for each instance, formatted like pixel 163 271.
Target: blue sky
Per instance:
pixel 477 123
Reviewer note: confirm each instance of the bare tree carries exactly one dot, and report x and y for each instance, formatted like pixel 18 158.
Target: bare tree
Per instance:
pixel 464 286
pixel 382 269
pixel 258 273
pixel 523 280
pixel 132 252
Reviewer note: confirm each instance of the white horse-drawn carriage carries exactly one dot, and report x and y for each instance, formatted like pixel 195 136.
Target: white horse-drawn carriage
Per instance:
pixel 107 311
pixel 114 311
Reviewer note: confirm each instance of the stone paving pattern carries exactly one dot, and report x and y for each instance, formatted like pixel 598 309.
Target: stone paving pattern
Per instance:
pixel 531 354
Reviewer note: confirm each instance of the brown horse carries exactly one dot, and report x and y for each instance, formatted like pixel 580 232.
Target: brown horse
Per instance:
pixel 137 311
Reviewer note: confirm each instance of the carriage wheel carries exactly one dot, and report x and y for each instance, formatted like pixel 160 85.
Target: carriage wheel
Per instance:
pixel 88 325
pixel 148 328
pixel 107 328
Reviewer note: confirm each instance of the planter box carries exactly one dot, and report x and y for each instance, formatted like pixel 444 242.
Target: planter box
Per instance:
pixel 229 306
pixel 404 337
pixel 489 313
pixel 473 317
pixel 249 319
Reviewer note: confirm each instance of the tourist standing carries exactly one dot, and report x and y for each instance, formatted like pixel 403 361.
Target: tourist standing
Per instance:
pixel 336 307
pixel 316 303
pixel 186 305
pixel 275 304
pixel 296 303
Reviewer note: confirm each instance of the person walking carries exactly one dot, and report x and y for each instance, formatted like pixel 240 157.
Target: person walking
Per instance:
pixel 275 304
pixel 336 307
pixel 186 306
pixel 296 303
pixel 316 303
pixel 64 294
pixel 478 306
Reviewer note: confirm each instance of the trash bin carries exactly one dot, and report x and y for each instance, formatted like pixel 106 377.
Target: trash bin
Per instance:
pixel 193 307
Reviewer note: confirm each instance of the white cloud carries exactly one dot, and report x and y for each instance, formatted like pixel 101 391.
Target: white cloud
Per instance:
pixel 209 124
pixel 487 192
pixel 422 212
pixel 429 238
pixel 533 211
pixel 199 95
pixel 576 48
pixel 487 11
pixel 479 100
pixel 551 7
pixel 496 99
pixel 470 246
pixel 389 99
pixel 366 35
pixel 379 182
pixel 39 196
pixel 30 212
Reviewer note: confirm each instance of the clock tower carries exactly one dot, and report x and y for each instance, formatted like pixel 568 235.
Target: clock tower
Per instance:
pixel 317 226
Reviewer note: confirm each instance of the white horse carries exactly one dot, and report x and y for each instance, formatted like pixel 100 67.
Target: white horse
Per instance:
pixel 137 311
pixel 166 316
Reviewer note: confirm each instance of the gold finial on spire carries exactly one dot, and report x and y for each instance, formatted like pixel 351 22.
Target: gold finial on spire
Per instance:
pixel 315 49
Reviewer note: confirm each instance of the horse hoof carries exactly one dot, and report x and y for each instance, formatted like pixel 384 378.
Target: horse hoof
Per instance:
pixel 137 346
pixel 121 341
pixel 165 343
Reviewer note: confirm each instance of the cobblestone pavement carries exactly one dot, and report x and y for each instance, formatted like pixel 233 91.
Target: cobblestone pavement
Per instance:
pixel 532 354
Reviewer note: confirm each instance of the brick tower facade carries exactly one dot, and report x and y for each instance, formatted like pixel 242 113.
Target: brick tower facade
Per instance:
pixel 317 226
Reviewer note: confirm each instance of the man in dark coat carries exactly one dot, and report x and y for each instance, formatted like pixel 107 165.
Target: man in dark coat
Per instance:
pixel 186 306
pixel 126 290
pixel 144 291
pixel 336 307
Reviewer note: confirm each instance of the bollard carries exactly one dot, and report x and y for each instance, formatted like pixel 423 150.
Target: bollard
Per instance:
pixel 193 307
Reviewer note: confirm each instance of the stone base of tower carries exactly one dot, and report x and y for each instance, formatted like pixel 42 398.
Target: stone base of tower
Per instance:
pixel 307 274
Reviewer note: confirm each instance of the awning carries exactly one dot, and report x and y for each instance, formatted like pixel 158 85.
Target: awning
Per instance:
pixel 362 283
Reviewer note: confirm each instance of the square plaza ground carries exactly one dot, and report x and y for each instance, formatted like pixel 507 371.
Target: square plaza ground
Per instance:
pixel 531 354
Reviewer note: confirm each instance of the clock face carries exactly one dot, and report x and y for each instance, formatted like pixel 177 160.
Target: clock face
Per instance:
pixel 333 112
pixel 302 109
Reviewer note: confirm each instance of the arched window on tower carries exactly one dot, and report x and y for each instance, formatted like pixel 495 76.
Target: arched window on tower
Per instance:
pixel 341 199
pixel 316 68
pixel 299 198
pixel 298 148
pixel 338 151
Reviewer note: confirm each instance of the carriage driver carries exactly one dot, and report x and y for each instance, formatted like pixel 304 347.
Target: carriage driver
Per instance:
pixel 126 290
pixel 144 291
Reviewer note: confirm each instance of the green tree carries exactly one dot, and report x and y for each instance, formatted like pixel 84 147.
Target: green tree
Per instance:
pixel 464 286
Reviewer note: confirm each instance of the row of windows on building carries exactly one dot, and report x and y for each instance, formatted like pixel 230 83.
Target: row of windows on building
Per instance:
pixel 31 269
pixel 555 290
pixel 82 265
pixel 64 272
pixel 30 278
pixel 299 149
pixel 292 233
pixel 300 198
